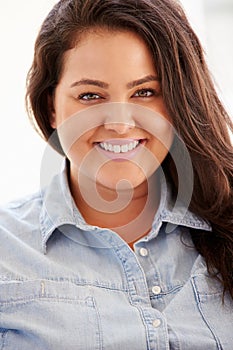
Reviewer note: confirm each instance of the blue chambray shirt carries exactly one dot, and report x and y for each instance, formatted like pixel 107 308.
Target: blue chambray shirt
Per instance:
pixel 68 285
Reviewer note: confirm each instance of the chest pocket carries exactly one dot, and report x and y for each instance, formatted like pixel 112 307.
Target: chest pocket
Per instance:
pixel 48 315
pixel 217 315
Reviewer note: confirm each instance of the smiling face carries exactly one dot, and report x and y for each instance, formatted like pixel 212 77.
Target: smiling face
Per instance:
pixel 111 70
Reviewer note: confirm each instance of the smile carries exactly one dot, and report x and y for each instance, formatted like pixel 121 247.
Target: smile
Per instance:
pixel 120 149
pixel 107 146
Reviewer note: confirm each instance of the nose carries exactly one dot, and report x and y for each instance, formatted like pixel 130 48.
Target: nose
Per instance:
pixel 119 128
pixel 119 119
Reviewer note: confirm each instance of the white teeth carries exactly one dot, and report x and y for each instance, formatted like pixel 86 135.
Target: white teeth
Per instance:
pixel 117 148
pixel 124 148
pixel 131 146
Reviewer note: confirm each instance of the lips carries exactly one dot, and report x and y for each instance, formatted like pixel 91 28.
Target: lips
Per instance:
pixel 120 148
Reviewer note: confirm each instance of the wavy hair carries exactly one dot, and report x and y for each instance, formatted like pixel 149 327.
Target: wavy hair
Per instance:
pixel 188 92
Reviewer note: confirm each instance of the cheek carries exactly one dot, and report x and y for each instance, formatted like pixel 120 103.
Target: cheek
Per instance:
pixel 77 152
pixel 75 146
pixel 82 147
pixel 160 149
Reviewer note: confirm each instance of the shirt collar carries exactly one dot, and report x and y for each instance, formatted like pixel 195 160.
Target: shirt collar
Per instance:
pixel 58 209
pixel 175 213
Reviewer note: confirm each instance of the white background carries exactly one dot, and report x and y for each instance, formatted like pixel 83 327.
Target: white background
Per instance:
pixel 21 149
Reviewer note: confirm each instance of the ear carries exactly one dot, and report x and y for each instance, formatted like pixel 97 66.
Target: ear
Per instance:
pixel 52 112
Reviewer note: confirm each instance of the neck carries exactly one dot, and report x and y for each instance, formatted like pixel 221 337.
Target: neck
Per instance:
pixel 128 212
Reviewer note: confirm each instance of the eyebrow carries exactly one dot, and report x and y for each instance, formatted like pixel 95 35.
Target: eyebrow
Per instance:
pixel 143 80
pixel 104 85
pixel 90 82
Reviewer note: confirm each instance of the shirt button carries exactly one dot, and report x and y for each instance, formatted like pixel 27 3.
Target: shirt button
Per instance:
pixel 143 252
pixel 156 323
pixel 156 290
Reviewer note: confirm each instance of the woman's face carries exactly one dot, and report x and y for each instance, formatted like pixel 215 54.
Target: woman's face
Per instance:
pixel 113 73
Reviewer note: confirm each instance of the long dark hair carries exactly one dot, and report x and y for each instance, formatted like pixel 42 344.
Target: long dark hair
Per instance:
pixel 188 92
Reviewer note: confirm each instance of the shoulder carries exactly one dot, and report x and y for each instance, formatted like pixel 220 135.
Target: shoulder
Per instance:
pixel 21 214
pixel 18 206
pixel 20 233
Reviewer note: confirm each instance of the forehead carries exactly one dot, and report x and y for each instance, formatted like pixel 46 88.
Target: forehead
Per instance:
pixel 104 49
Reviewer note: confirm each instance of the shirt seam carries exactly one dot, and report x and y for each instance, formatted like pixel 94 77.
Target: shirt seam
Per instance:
pixel 196 296
pixel 4 336
pixel 64 280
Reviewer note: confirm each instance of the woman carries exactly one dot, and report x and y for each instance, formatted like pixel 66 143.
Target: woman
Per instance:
pixel 130 247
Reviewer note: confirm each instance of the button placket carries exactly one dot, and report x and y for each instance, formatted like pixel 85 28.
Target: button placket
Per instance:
pixel 156 290
pixel 157 329
pixel 143 252
pixel 156 323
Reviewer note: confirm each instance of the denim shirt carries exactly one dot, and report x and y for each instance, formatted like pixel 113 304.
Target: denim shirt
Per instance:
pixel 65 284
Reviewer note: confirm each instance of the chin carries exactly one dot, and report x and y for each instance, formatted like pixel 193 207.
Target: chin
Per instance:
pixel 120 183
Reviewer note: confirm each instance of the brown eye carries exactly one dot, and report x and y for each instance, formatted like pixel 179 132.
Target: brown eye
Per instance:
pixel 145 93
pixel 89 96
